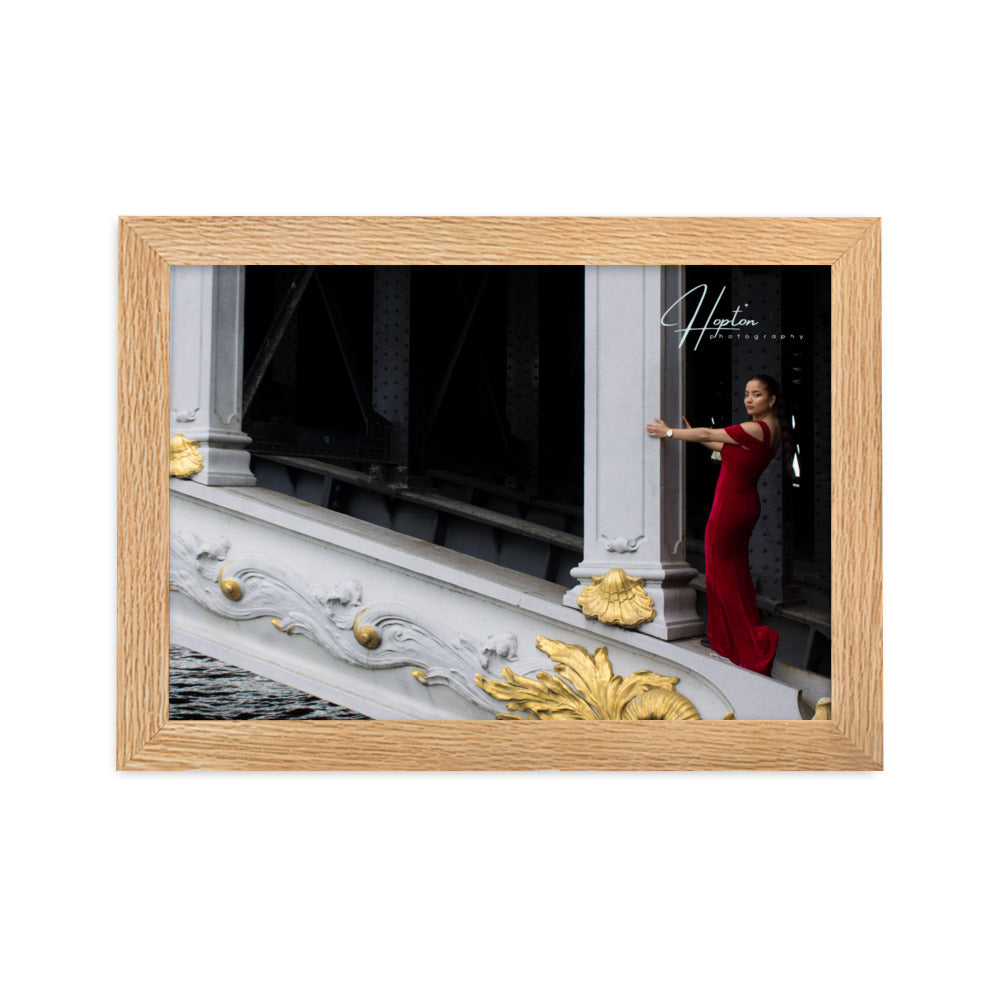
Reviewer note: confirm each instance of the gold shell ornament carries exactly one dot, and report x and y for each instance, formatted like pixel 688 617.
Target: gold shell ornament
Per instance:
pixel 617 599
pixel 587 688
pixel 185 459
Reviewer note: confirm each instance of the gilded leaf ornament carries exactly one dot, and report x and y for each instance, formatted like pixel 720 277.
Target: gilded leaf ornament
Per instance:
pixel 185 459
pixel 587 688
pixel 617 599
pixel 823 709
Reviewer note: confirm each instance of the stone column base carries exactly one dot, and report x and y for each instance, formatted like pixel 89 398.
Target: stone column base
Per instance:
pixel 674 600
pixel 226 460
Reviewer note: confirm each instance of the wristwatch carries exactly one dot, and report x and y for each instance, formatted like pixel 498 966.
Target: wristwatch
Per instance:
pixel 670 432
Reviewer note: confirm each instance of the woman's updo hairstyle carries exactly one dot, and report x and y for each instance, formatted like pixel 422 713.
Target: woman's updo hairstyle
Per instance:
pixel 772 388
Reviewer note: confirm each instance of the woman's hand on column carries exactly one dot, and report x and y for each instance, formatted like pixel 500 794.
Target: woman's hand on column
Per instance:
pixel 657 428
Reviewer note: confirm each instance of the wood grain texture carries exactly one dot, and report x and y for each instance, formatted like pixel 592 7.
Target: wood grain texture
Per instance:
pixel 856 501
pixel 515 240
pixel 509 746
pixel 148 741
pixel 143 519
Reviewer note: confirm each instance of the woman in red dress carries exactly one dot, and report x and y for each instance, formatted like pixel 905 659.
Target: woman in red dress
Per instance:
pixel 734 628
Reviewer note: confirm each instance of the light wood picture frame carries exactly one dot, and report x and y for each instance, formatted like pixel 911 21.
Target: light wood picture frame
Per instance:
pixel 148 740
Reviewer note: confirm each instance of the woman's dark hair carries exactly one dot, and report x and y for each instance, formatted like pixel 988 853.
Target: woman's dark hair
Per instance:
pixel 772 388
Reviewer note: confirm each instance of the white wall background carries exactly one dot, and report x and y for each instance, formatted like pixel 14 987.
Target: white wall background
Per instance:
pixel 483 885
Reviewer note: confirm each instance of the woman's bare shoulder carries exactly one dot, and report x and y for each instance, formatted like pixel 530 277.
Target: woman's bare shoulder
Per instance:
pixel 775 429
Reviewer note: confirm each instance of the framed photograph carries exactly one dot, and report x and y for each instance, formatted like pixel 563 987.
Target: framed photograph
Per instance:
pixel 403 493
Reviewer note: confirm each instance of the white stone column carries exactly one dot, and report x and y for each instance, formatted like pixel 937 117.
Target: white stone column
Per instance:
pixel 633 484
pixel 206 370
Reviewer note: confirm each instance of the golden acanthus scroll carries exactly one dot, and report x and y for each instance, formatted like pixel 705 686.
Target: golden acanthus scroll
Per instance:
pixel 587 688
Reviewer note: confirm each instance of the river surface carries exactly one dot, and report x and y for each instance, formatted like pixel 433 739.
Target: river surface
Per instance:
pixel 204 688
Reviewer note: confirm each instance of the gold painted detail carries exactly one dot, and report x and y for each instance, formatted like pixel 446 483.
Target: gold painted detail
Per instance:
pixel 587 688
pixel 229 587
pixel 185 459
pixel 823 709
pixel 277 625
pixel 365 634
pixel 617 599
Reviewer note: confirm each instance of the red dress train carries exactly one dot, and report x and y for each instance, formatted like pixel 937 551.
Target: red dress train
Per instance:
pixel 734 628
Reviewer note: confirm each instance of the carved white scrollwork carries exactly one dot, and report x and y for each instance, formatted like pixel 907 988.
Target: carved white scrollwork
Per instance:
pixel 498 649
pixel 622 544
pixel 374 636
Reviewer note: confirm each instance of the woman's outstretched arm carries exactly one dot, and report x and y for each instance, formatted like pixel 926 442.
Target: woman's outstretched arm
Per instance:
pixel 713 437
pixel 712 446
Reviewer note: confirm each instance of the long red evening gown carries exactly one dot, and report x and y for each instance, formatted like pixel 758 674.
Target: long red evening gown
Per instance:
pixel 734 627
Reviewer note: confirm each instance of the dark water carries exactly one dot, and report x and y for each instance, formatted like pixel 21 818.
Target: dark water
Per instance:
pixel 204 688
